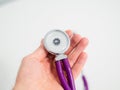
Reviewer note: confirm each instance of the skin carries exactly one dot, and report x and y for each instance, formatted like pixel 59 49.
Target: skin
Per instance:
pixel 37 70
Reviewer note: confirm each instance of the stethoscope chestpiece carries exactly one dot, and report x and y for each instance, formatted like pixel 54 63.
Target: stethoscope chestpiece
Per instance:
pixel 56 42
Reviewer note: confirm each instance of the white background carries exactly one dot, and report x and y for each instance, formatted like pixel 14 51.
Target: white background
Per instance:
pixel 23 23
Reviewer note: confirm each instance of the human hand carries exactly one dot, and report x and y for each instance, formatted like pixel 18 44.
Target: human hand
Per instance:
pixel 37 70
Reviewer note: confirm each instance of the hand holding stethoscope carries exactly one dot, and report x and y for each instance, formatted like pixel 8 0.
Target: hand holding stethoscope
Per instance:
pixel 37 71
pixel 57 43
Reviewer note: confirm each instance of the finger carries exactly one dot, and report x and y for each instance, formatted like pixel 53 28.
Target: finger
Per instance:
pixel 40 52
pixel 70 33
pixel 74 41
pixel 78 65
pixel 77 51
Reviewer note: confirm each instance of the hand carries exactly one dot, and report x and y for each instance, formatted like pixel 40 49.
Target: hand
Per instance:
pixel 37 70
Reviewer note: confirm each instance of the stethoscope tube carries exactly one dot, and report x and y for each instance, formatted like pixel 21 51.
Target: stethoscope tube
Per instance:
pixel 67 83
pixel 85 82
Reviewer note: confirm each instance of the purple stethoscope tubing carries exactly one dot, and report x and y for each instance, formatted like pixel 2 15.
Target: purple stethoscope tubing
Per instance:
pixel 66 86
pixel 85 82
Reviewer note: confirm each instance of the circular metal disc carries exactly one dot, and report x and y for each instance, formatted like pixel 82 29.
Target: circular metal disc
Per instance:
pixel 56 42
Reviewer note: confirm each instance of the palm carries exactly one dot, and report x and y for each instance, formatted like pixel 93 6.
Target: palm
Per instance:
pixel 38 70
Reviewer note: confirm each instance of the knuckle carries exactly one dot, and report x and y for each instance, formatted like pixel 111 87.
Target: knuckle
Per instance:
pixel 25 59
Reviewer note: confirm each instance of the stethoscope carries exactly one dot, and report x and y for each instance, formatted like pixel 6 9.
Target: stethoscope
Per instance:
pixel 57 43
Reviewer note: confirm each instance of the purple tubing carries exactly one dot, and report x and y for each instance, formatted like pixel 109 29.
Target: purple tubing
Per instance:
pixel 61 76
pixel 66 86
pixel 69 74
pixel 85 82
pixel 64 83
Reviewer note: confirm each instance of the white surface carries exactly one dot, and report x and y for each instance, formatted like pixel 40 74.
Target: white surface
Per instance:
pixel 23 23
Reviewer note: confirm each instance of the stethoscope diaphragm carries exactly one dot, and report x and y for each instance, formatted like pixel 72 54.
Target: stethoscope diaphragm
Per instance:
pixel 56 42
